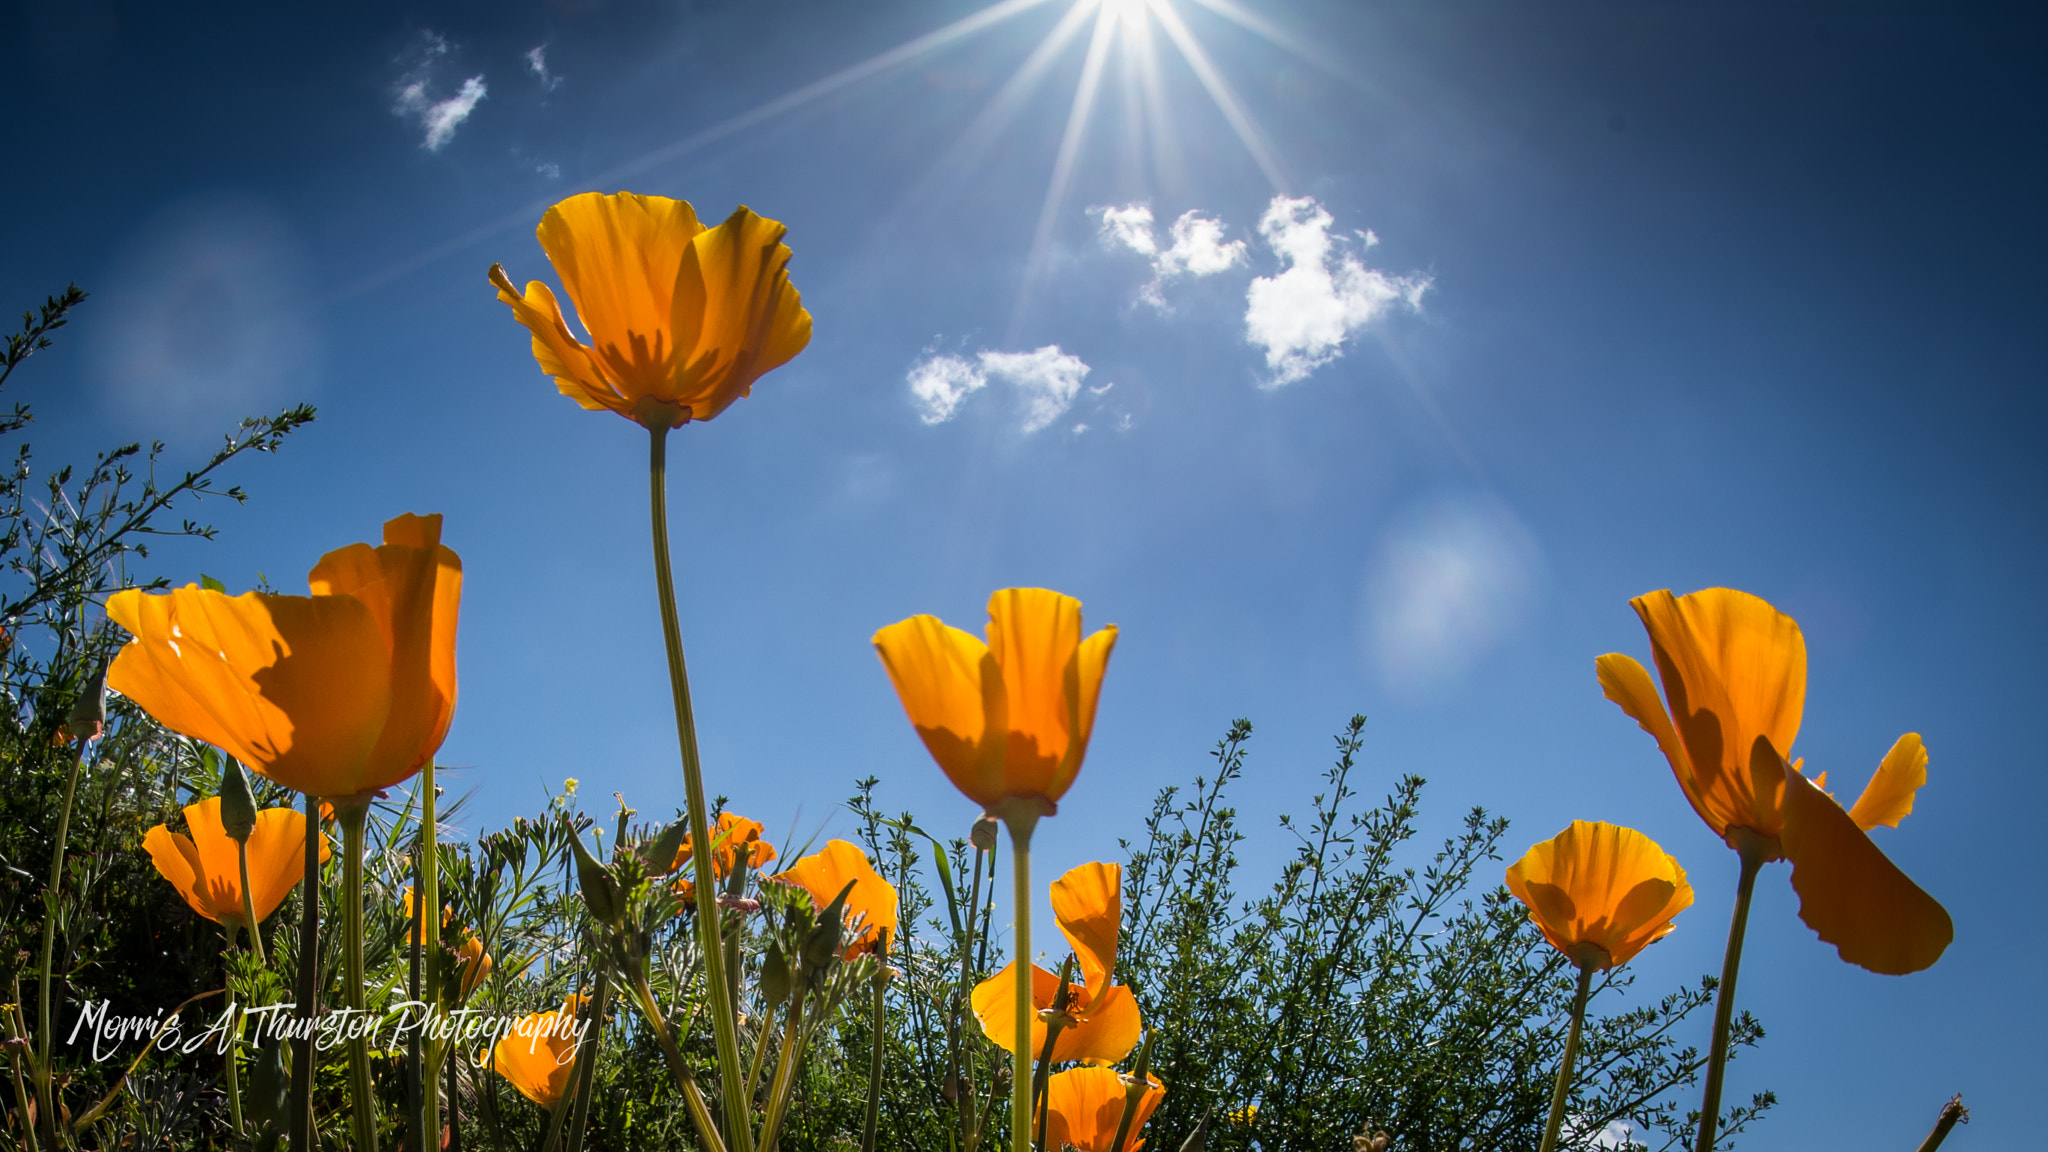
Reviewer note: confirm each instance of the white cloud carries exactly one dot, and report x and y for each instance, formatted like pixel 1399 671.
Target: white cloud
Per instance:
pixel 537 63
pixel 939 383
pixel 1302 316
pixel 413 98
pixel 1046 381
pixel 1197 248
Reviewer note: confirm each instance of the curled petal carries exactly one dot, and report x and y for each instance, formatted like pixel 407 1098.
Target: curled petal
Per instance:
pixel 953 692
pixel 1625 682
pixel 1106 1033
pixel 1888 798
pixel 1851 894
pixel 1088 903
pixel 560 355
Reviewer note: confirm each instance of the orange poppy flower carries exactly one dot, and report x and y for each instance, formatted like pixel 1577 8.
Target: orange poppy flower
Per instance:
pixel 872 903
pixel 1009 718
pixel 1600 893
pixel 1084 1106
pixel 682 318
pixel 1103 1022
pixel 474 963
pixel 731 834
pixel 206 869
pixel 1734 671
pixel 538 1053
pixel 336 694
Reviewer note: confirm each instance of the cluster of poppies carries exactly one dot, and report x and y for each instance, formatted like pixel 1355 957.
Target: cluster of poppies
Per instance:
pixel 349 690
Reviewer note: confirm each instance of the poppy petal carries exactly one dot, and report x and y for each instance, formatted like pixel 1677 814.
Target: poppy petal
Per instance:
pixel 556 349
pixel 1888 798
pixel 953 692
pixel 735 315
pixel 872 901
pixel 277 858
pixel 1085 1106
pixel 178 862
pixel 1628 684
pixel 995 1004
pixel 1107 1034
pixel 1851 894
pixel 1088 903
pixel 1034 635
pixel 618 257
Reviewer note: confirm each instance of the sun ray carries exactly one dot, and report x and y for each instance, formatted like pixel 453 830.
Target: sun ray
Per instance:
pixel 1219 91
pixel 1251 21
pixel 1168 171
pixel 1107 21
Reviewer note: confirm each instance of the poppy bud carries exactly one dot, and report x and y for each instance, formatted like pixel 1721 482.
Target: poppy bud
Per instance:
pixel 237 802
pixel 821 947
pixel 600 891
pixel 775 979
pixel 1199 1138
pixel 661 853
pixel 983 836
pixel 88 719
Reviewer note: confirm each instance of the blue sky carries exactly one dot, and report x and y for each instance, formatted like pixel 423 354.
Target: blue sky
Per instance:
pixel 1613 297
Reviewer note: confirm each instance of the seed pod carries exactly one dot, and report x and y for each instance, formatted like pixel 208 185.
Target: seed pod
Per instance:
pixel 983 836
pixel 600 892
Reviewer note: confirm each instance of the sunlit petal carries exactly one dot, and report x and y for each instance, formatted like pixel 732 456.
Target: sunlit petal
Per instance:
pixel 1888 798
pixel 1851 894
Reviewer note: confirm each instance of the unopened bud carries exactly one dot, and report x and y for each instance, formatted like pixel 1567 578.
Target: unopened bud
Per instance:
pixel 600 892
pixel 983 835
pixel 661 853
pixel 237 802
pixel 775 976
pixel 88 719
pixel 821 947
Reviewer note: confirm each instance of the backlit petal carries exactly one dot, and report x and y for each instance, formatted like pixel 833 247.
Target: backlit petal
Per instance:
pixel 1600 886
pixel 1107 1033
pixel 618 257
pixel 277 857
pixel 1088 902
pixel 295 687
pixel 1888 798
pixel 951 689
pixel 1090 662
pixel 872 902
pixel 1851 894
pixel 178 862
pixel 1084 1107
pixel 1628 684
pixel 995 999
pixel 1034 635
pixel 536 1064
pixel 735 314
pixel 560 355
pixel 1734 670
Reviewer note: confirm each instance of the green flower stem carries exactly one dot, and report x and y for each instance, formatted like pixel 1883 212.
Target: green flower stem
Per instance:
pixel 46 1107
pixel 1563 1091
pixel 724 1024
pixel 309 985
pixel 1021 825
pixel 1134 1090
pixel 576 1109
pixel 364 1113
pixel 785 1071
pixel 686 1084
pixel 1754 851
pixel 427 912
pixel 867 1132
pixel 963 1086
pixel 249 924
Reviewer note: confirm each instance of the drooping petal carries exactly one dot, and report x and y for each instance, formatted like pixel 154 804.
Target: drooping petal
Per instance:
pixel 560 355
pixel 413 586
pixel 1888 798
pixel 995 1002
pixel 1734 670
pixel 1084 1107
pixel 296 687
pixel 537 1054
pixel 277 858
pixel 618 257
pixel 1034 635
pixel 953 692
pixel 1600 893
pixel 1105 1033
pixel 735 314
pixel 1851 894
pixel 872 901
pixel 1088 903
pixel 178 862
pixel 1628 684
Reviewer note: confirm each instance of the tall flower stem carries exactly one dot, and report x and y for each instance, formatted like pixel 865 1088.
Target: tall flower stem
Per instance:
pixel 875 1037
pixel 249 923
pixel 46 1108
pixel 1560 1094
pixel 1754 850
pixel 309 985
pixel 724 1025
pixel 353 816
pixel 427 907
pixel 1021 825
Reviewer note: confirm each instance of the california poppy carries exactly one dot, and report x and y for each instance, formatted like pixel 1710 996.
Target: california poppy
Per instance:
pixel 1010 719
pixel 1600 893
pixel 682 318
pixel 1085 1106
pixel 336 694
pixel 1102 1024
pixel 474 963
pixel 538 1053
pixel 1734 671
pixel 728 838
pixel 205 865
pixel 871 903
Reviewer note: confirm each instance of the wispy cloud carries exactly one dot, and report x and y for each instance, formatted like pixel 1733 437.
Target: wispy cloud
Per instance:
pixel 414 99
pixel 537 63
pixel 1323 293
pixel 1046 381
pixel 1196 246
